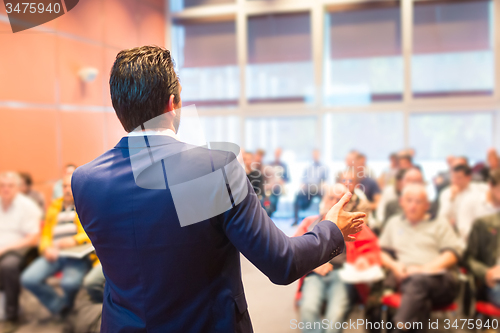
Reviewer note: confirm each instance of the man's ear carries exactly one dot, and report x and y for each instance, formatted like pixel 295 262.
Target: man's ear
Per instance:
pixel 171 104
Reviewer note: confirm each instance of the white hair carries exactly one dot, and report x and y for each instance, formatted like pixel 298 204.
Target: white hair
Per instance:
pixel 413 187
pixel 12 175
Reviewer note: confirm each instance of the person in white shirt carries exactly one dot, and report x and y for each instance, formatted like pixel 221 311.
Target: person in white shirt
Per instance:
pixel 458 203
pixel 19 228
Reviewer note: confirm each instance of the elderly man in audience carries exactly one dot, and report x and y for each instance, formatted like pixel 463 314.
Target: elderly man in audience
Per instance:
pixel 457 202
pixel 62 230
pixel 483 251
pixel 421 254
pixel 324 283
pixel 393 207
pixel 20 219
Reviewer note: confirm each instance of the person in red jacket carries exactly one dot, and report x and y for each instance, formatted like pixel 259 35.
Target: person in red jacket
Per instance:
pixel 324 283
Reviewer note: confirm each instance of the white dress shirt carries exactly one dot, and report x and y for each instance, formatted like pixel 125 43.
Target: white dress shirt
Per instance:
pixel 465 208
pixel 22 218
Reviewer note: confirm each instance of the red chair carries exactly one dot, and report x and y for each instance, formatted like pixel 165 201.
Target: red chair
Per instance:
pixel 487 309
pixel 394 301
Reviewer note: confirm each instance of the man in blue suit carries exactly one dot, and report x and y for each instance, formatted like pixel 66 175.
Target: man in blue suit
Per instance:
pixel 166 270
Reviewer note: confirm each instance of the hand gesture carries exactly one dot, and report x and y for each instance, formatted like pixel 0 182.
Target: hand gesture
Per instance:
pixel 323 269
pixel 348 223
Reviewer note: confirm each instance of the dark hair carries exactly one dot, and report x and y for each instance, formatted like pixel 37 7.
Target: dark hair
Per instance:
pixel 141 82
pixel 494 177
pixel 463 168
pixel 400 174
pixel 26 177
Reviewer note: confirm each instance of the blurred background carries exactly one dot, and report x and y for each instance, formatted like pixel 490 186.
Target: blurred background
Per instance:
pixel 411 77
pixel 376 76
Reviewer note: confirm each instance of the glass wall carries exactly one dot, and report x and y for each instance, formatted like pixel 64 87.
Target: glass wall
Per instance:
pixel 363 58
pixel 453 48
pixel 279 59
pixel 376 76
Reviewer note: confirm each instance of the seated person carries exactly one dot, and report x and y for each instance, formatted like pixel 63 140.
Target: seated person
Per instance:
pixel 312 181
pixel 393 207
pixel 324 283
pixel 425 252
pixel 27 190
pixel 19 227
pixel 457 202
pixel 94 283
pixel 483 257
pixel 62 229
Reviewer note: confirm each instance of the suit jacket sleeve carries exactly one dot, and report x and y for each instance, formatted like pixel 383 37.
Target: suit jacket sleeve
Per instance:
pixel 281 258
pixel 478 268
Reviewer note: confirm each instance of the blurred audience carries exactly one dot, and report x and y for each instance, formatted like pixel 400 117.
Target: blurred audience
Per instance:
pixel 312 181
pixel 443 179
pixel 481 171
pixel 388 176
pixel 357 162
pixel 276 174
pixel 254 174
pixel 57 190
pixel 19 228
pixel 393 207
pixel 483 257
pixel 27 190
pixel 405 160
pixel 420 254
pixel 324 285
pixel 456 201
pixel 94 283
pixel 61 230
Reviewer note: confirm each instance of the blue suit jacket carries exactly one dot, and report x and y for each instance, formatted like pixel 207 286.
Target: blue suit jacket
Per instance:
pixel 161 277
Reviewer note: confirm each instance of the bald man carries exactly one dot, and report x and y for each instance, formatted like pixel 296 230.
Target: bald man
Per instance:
pixel 420 254
pixel 393 207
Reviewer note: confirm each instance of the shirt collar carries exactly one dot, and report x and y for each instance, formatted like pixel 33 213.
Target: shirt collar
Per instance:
pixel 167 132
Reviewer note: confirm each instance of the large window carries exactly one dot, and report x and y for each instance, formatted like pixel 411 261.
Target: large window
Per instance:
pixel 375 76
pixel 179 5
pixel 375 134
pixel 295 135
pixel 452 48
pixel 363 62
pixel 279 59
pixel 437 135
pixel 205 54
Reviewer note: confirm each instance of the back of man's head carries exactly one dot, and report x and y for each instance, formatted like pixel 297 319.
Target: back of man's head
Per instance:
pixel 141 82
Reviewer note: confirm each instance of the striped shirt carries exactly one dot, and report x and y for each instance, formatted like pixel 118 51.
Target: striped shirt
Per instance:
pixel 65 226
